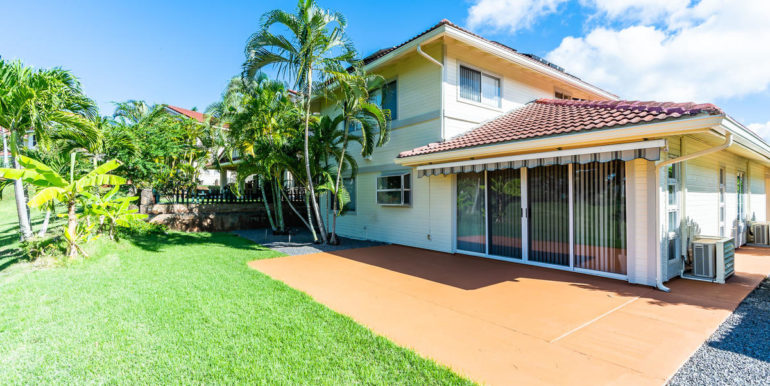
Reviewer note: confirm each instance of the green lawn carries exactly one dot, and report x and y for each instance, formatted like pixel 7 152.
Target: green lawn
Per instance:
pixel 181 308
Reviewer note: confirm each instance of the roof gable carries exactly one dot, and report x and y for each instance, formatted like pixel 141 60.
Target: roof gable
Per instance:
pixel 531 59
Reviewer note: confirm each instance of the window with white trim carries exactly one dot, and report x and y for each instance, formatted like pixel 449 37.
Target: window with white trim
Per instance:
pixel 476 86
pixel 386 97
pixel 672 182
pixel 394 190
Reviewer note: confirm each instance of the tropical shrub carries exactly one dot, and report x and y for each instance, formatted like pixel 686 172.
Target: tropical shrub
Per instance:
pixel 109 210
pixel 137 227
pixel 53 187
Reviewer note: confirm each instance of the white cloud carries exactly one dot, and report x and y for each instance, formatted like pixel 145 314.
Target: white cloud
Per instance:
pixel 510 15
pixel 644 11
pixel 712 49
pixel 763 129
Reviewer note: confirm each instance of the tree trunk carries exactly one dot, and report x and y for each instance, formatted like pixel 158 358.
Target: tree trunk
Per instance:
pixel 267 205
pixel 21 206
pixel 72 223
pixel 310 216
pixel 46 220
pixel 6 161
pixel 307 224
pixel 313 201
pixel 278 188
pixel 340 162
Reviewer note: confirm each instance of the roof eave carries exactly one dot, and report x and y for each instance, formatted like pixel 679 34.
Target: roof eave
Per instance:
pixel 406 48
pixel 699 123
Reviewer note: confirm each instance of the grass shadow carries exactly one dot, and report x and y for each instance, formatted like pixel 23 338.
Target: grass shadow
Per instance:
pixel 160 242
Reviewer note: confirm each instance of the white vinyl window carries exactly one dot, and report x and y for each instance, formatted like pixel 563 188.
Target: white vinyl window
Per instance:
pixel 476 86
pixel 672 183
pixel 394 190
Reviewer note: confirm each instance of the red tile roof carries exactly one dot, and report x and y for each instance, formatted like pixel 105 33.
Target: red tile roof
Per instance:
pixel 546 117
pixel 532 58
pixel 200 117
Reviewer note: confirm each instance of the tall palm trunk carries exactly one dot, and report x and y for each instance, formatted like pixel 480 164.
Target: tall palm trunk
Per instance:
pixel 309 225
pixel 6 162
pixel 313 201
pixel 278 202
pixel 267 205
pixel 337 184
pixel 46 220
pixel 21 206
pixel 309 216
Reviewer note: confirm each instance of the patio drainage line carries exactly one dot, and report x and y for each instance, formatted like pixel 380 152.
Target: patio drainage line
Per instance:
pixel 586 324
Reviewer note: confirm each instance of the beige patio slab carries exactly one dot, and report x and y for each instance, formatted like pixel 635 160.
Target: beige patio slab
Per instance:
pixel 505 323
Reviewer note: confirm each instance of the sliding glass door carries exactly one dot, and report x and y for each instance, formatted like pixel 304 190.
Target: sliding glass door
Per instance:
pixel 471 212
pixel 600 217
pixel 573 216
pixel 548 202
pixel 504 208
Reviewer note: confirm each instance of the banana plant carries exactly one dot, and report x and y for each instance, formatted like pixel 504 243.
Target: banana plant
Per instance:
pixel 112 211
pixel 54 187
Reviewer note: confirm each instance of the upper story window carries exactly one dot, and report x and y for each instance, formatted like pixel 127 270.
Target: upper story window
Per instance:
pixel 478 87
pixel 562 95
pixel 387 98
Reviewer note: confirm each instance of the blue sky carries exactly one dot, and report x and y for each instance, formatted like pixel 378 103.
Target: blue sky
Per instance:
pixel 183 52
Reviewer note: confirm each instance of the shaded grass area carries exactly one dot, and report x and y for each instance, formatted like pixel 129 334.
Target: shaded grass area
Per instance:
pixel 184 308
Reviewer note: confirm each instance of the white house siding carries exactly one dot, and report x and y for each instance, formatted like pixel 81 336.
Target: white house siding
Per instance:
pixel 757 202
pixel 518 87
pixel 640 220
pixel 701 188
pixel 425 222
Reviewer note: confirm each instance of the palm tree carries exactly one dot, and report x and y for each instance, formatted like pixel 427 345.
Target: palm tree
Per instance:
pixel 40 102
pixel 351 92
pixel 259 129
pixel 314 42
pixel 132 111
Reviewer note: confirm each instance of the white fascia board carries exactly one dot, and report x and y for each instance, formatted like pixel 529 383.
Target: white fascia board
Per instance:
pixel 658 143
pixel 518 59
pixel 747 138
pixel 648 130
pixel 428 37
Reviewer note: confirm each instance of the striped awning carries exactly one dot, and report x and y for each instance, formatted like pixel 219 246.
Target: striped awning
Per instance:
pixel 649 150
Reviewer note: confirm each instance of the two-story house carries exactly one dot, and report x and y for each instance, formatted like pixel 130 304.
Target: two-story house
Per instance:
pixel 502 155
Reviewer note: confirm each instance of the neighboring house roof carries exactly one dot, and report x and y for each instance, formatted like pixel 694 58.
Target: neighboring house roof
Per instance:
pixel 444 22
pixel 200 117
pixel 546 117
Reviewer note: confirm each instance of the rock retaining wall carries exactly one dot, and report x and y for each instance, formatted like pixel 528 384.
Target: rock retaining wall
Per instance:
pixel 213 217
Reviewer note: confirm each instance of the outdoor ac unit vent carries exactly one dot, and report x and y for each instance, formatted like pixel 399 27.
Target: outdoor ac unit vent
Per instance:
pixel 761 232
pixel 703 260
pixel 713 258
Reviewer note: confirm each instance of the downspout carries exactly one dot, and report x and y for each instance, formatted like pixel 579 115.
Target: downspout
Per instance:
pixel 660 165
pixel 441 91
pixel 440 117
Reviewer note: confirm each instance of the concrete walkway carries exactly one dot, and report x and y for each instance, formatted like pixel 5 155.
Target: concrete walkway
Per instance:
pixel 506 323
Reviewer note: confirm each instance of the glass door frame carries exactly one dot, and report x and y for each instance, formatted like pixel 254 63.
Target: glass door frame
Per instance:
pixel 525 228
